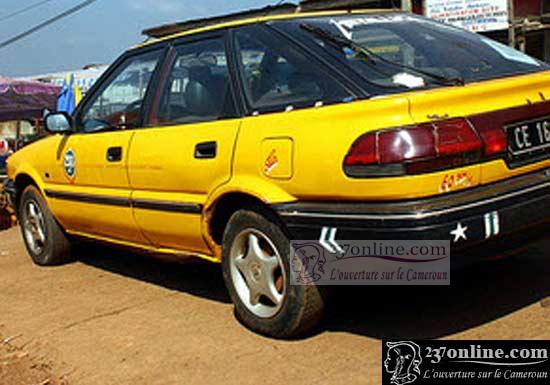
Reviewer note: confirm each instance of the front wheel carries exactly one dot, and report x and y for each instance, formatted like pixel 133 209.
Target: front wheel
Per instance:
pixel 46 242
pixel 256 271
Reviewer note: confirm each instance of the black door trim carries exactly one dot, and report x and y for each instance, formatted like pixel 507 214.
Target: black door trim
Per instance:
pixel 147 204
pixel 177 207
pixel 87 198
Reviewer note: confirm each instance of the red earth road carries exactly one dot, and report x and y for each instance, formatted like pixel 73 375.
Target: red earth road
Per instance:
pixel 114 317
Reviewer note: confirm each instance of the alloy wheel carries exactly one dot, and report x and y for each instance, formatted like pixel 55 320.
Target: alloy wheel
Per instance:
pixel 258 273
pixel 34 227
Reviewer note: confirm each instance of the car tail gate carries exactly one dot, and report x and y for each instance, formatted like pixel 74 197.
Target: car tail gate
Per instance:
pixel 511 118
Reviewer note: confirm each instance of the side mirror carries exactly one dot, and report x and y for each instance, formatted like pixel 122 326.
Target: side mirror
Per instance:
pixel 58 123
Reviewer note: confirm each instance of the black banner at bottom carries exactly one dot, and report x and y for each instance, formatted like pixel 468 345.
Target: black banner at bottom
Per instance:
pixel 466 362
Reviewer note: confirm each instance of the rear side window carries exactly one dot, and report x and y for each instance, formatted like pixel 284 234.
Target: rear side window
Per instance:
pixel 278 76
pixel 198 87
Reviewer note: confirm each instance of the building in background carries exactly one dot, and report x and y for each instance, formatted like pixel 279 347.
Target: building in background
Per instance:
pixel 494 18
pixel 84 78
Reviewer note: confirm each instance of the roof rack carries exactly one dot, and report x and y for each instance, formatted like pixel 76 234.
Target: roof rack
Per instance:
pixel 282 9
pixel 328 5
pixel 170 29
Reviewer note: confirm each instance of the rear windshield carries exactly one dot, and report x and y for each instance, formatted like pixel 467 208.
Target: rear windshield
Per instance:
pixel 402 51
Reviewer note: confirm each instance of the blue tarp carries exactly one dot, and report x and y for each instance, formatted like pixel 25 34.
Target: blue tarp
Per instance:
pixel 66 99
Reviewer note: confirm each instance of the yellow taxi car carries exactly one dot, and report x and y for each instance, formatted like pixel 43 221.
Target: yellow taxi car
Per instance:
pixel 227 141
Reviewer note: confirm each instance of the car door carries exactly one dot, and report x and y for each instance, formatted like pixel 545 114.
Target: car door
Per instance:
pixel 90 189
pixel 187 150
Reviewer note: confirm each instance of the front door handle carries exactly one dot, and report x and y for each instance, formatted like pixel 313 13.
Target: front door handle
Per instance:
pixel 114 154
pixel 206 150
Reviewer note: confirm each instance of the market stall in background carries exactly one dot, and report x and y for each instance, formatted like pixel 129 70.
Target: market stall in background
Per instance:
pixel 22 107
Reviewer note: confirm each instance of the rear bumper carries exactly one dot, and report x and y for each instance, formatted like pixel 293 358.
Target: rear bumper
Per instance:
pixel 489 213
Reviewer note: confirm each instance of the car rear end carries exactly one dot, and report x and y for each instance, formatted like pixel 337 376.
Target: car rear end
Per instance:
pixel 471 165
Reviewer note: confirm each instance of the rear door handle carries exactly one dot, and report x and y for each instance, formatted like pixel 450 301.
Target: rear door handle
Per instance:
pixel 114 154
pixel 206 150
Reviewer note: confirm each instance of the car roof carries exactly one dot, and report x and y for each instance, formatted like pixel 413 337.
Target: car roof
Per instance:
pixel 260 19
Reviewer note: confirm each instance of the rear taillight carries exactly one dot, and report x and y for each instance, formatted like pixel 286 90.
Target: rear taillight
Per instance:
pixel 456 137
pixel 425 148
pixel 409 144
pixel 494 139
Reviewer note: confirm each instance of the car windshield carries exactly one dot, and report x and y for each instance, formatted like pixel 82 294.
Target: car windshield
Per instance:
pixel 402 51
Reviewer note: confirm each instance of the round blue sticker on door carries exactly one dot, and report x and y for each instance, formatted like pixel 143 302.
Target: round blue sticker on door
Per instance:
pixel 69 162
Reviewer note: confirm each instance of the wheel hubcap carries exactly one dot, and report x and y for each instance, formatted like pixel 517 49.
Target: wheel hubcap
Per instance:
pixel 34 227
pixel 257 272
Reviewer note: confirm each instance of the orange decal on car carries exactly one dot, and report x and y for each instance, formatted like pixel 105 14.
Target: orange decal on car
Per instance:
pixel 271 162
pixel 456 181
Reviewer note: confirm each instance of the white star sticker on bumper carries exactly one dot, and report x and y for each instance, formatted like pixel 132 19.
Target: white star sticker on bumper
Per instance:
pixel 460 233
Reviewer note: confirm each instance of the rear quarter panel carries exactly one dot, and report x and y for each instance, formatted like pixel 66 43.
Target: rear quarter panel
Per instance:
pixel 321 137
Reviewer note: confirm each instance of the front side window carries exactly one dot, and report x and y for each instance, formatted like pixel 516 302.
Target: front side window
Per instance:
pixel 198 86
pixel 118 103
pixel 277 76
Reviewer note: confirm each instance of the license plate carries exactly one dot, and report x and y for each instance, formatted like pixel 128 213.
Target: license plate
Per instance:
pixel 529 140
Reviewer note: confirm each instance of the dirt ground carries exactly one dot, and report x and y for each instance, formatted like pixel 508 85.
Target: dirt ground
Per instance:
pixel 17 367
pixel 115 317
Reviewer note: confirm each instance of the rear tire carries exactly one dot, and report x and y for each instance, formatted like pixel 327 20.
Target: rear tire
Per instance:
pixel 259 283
pixel 45 240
